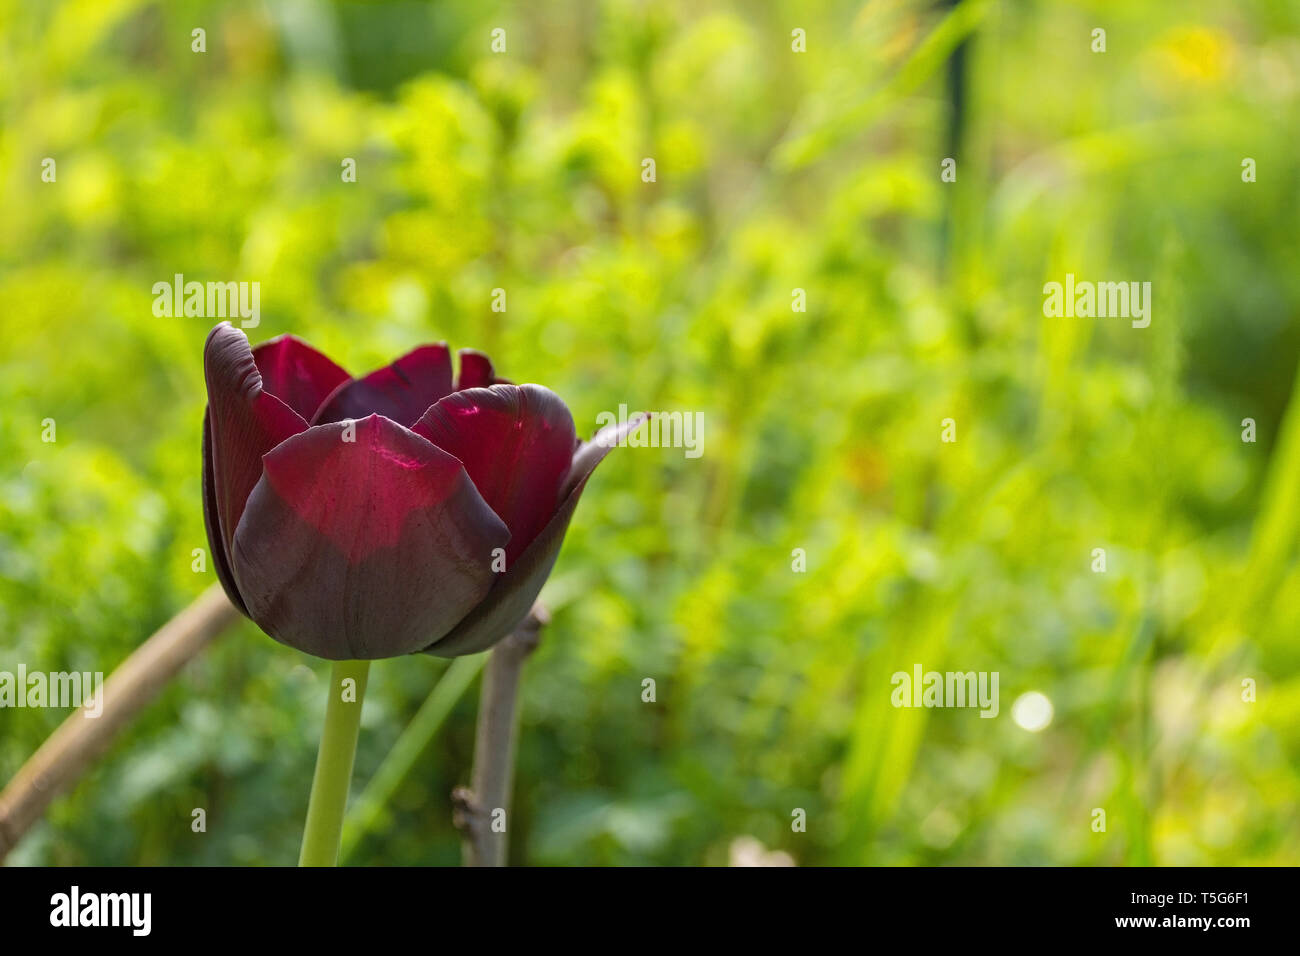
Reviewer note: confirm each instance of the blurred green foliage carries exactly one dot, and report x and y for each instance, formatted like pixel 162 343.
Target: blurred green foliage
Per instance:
pixel 776 170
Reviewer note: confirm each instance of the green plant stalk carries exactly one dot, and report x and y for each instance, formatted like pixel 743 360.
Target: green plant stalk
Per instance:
pixel 369 807
pixel 333 777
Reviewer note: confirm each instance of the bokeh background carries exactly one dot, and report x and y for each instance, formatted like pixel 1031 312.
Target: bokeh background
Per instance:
pixel 776 171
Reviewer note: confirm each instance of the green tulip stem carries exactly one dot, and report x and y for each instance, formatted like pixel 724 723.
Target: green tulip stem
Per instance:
pixel 333 777
pixel 369 809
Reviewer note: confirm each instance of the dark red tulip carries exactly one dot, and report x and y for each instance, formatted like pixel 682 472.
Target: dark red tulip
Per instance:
pixel 384 544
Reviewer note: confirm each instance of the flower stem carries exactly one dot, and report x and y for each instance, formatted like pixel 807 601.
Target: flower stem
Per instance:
pixel 368 809
pixel 338 745
pixel 481 812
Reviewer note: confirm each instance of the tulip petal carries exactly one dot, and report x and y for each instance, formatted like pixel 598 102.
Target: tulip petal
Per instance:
pixel 516 443
pixel 211 522
pixel 511 598
pixel 246 422
pixel 363 549
pixel 475 370
pixel 402 391
pixel 297 374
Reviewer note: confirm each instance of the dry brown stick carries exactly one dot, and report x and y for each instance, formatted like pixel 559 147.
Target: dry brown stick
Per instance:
pixel 137 680
pixel 481 812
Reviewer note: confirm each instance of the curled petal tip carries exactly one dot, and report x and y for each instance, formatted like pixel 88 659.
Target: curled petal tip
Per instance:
pixel 590 454
pixel 245 422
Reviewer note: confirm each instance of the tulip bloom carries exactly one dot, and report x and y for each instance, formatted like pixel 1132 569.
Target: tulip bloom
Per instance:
pixel 365 518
